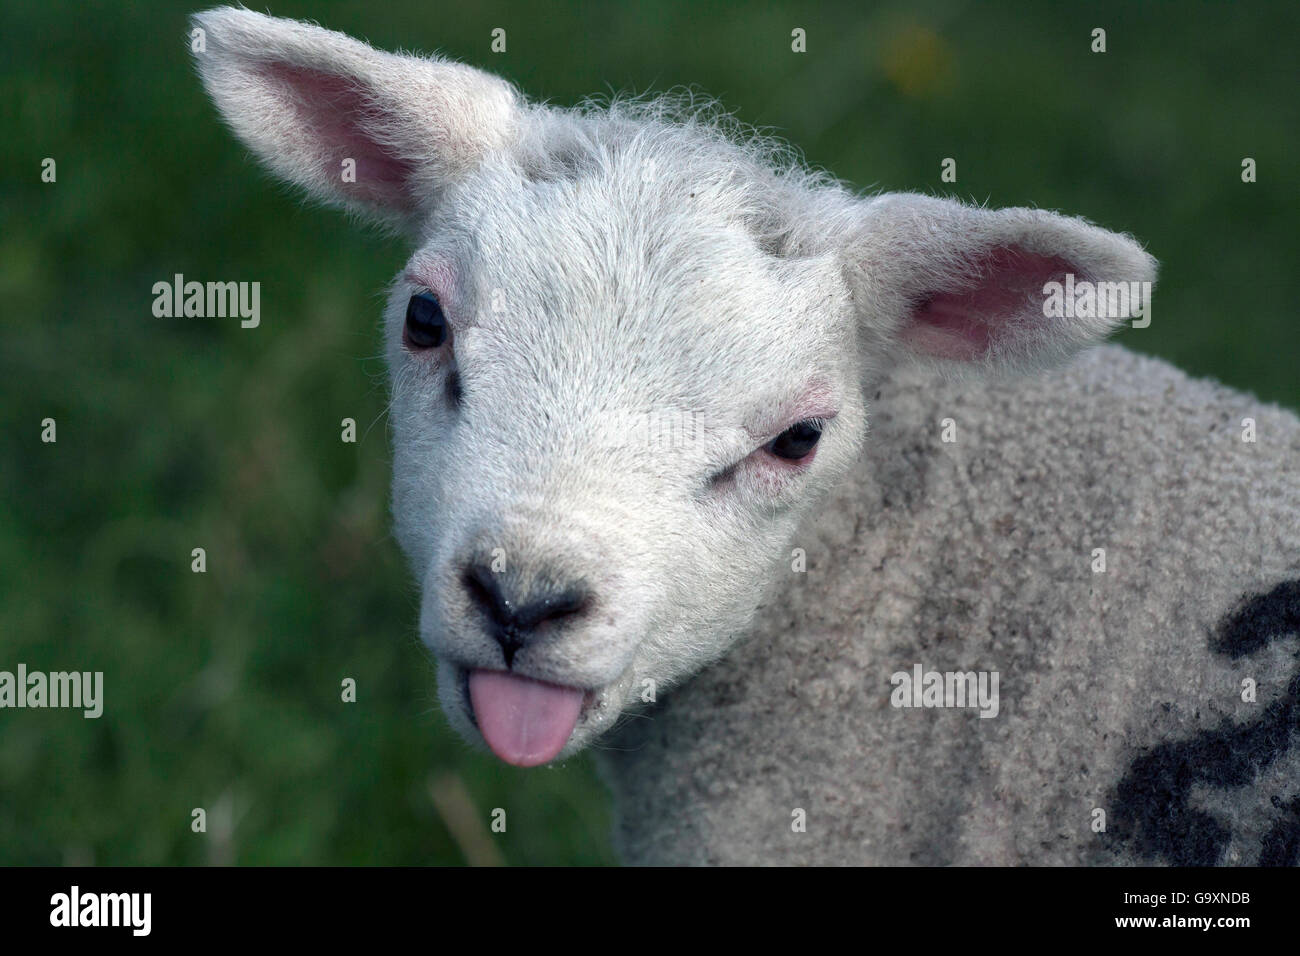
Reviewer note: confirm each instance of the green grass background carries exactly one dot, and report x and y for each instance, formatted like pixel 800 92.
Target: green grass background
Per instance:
pixel 223 688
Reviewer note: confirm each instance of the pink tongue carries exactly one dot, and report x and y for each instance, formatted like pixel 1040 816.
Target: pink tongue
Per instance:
pixel 524 721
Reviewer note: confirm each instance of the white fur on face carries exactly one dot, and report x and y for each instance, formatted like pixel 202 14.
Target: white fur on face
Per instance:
pixel 612 363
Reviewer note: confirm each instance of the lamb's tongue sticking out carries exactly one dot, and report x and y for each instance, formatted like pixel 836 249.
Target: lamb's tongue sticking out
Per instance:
pixel 524 721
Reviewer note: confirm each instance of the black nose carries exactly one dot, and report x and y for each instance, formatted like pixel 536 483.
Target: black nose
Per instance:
pixel 516 613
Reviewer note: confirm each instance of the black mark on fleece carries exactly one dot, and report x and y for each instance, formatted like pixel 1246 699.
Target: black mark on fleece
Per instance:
pixel 1281 845
pixel 1151 801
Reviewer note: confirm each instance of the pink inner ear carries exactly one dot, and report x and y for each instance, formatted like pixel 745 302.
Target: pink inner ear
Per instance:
pixel 338 117
pixel 1005 295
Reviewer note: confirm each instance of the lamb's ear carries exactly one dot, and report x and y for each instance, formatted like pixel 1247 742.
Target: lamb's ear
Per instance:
pixel 966 288
pixel 306 100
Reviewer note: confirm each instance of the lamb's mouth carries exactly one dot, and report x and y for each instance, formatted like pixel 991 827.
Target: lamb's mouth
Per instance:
pixel 525 722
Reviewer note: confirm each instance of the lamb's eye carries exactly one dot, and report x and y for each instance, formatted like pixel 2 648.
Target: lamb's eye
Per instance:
pixel 426 326
pixel 797 441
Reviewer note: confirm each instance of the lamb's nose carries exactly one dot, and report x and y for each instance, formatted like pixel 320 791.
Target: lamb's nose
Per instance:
pixel 516 613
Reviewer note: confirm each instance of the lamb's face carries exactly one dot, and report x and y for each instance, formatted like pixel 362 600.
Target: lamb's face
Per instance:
pixel 606 425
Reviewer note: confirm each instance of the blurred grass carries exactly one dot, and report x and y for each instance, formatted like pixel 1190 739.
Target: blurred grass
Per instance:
pixel 223 688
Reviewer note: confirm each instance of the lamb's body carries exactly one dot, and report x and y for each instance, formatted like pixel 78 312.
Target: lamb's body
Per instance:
pixel 978 556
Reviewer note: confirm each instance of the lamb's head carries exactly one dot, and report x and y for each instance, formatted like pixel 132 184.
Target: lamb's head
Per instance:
pixel 628 356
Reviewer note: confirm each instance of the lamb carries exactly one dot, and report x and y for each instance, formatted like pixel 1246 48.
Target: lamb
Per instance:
pixel 713 466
